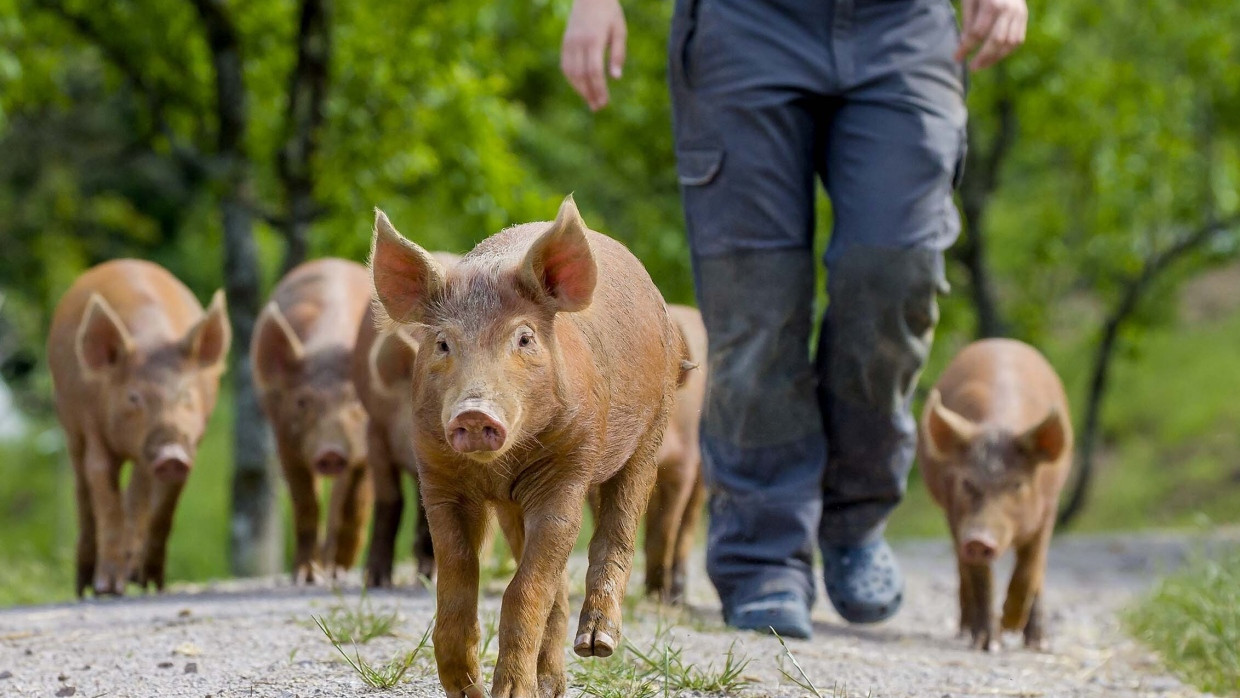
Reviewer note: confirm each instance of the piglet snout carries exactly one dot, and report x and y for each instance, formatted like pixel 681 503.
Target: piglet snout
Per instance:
pixel 171 463
pixel 330 462
pixel 979 548
pixel 475 428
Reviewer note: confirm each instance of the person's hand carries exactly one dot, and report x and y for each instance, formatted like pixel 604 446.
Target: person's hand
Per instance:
pixel 1001 23
pixel 594 27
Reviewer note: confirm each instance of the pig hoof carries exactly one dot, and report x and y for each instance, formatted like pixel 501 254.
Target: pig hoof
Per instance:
pixel 552 686
pixel 596 644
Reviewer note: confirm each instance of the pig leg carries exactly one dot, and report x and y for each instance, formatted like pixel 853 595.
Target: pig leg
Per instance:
pixel 527 655
pixel 621 501
pixel 687 536
pixel 137 522
pixel 423 546
pixel 1035 627
pixel 980 612
pixel 672 490
pixel 458 528
pixel 389 503
pixel 1026 583
pixel 303 490
pixel 166 496
pixel 102 472
pixel 551 679
pixel 86 521
pixel 351 499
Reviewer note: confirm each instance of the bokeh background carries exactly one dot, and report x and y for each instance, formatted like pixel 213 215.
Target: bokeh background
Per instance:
pixel 229 140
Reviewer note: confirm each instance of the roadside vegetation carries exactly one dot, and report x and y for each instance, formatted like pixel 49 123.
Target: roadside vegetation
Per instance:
pixel 1192 619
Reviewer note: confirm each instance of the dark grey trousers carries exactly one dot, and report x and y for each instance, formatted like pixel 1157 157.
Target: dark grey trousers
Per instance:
pixel 769 95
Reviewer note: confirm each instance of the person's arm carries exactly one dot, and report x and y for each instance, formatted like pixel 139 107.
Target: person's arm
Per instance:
pixel 594 27
pixel 1001 23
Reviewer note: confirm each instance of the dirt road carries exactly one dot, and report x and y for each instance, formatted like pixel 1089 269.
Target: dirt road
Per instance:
pixel 256 638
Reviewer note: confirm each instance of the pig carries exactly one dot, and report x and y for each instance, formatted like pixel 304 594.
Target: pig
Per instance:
pixel 676 503
pixel 302 355
pixel 382 375
pixel 547 366
pixel 995 447
pixel 136 365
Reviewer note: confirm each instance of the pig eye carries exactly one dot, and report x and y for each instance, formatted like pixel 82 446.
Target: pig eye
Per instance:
pixel 525 338
pixel 135 398
pixel 972 491
pixel 303 402
pixel 442 345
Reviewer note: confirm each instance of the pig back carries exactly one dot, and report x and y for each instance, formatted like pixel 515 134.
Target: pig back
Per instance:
pixel 324 301
pixel 1006 385
pixel 154 306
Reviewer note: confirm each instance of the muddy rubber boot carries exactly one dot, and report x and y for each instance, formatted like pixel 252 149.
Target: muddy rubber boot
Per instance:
pixel 864 582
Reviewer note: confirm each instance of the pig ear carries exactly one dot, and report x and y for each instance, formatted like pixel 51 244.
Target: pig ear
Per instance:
pixel 391 360
pixel 560 262
pixel 407 278
pixel 277 349
pixel 1045 441
pixel 207 342
pixel 103 344
pixel 944 432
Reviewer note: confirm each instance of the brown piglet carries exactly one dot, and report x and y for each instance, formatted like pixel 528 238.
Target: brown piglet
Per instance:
pixel 383 376
pixel 135 364
pixel 547 366
pixel 676 503
pixel 302 354
pixel 995 448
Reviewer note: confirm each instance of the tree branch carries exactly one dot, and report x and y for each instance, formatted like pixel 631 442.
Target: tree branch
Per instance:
pixel 1134 291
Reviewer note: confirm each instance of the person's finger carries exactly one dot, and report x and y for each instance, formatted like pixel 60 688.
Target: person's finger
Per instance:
pixel 616 49
pixel 595 78
pixel 1019 24
pixel 996 45
pixel 572 64
pixel 977 29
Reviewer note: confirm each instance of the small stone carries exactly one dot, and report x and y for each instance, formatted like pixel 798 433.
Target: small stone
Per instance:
pixel 165 665
pixel 191 667
pixel 62 677
pixel 6 674
pixel 66 691
pixel 184 613
pixel 29 651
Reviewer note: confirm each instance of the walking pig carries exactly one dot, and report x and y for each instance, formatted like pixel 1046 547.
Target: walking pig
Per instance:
pixel 676 503
pixel 135 366
pixel 302 353
pixel 382 374
pixel 995 448
pixel 547 366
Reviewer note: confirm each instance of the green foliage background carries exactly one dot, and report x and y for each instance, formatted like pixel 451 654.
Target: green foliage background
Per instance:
pixel 453 117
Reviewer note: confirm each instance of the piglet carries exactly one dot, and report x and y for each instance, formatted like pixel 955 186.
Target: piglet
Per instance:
pixel 382 374
pixel 547 365
pixel 135 366
pixel 995 448
pixel 676 503
pixel 302 355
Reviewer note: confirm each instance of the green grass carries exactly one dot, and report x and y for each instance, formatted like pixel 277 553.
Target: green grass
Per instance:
pixel 381 676
pixel 1192 618
pixel 358 623
pixel 659 670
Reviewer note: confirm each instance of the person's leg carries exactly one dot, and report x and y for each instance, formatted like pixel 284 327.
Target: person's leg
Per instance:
pixel 745 130
pixel 889 161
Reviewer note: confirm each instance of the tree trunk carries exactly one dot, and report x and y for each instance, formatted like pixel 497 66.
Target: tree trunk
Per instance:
pixel 254 532
pixel 307 94
pixel 981 179
pixel 1134 291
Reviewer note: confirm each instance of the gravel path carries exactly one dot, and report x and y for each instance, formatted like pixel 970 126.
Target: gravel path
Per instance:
pixel 255 638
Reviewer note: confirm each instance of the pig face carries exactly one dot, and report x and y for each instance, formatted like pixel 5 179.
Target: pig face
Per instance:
pixel 311 400
pixel 489 363
pixel 991 477
pixel 156 399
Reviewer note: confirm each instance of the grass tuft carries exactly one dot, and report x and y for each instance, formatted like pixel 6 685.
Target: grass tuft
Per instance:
pixel 358 624
pixel 1192 618
pixel 381 677
pixel 669 664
